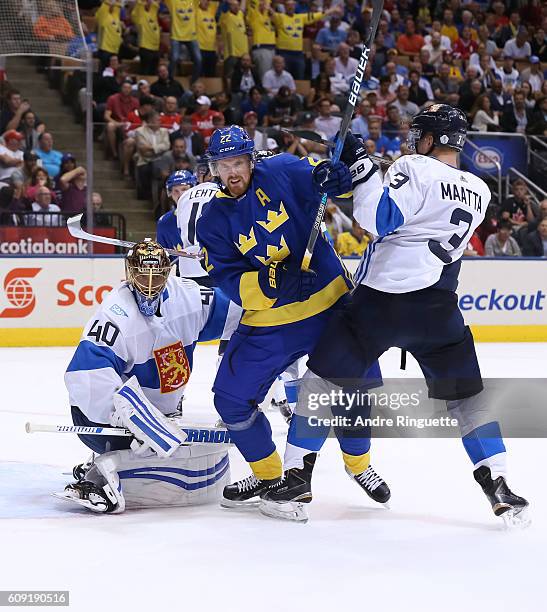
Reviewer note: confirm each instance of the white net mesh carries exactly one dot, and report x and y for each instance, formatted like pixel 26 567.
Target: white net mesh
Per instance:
pixel 42 27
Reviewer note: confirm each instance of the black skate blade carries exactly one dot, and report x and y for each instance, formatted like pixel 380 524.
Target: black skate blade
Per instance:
pixel 85 503
pixel 285 511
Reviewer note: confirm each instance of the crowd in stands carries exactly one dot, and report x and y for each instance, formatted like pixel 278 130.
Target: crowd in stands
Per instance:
pixel 34 176
pixel 169 73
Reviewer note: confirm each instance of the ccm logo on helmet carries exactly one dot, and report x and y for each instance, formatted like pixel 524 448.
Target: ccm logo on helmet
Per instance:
pixel 87 295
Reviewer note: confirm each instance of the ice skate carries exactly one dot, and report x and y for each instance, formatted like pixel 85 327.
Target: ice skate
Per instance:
pixel 373 485
pixel 89 495
pixel 286 499
pixel 245 492
pixel 284 409
pixel 512 508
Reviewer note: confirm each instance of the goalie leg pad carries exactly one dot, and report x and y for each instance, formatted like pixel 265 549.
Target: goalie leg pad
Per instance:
pixel 149 426
pixel 189 477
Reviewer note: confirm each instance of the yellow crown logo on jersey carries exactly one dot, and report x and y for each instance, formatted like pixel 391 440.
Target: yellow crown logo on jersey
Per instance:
pixel 275 219
pixel 275 253
pixel 245 243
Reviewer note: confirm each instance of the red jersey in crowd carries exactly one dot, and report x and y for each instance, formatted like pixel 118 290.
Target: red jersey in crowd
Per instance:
pixel 120 106
pixel 134 121
pixel 170 121
pixel 464 48
pixel 203 123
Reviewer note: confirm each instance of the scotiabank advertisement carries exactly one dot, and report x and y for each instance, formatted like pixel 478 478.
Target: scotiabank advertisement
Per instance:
pixel 46 301
pixel 23 240
pixel 52 296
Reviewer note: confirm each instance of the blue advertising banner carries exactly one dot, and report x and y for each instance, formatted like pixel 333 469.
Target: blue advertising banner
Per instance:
pixel 510 150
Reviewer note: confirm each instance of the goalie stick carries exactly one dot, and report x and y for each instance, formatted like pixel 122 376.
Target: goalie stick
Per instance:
pixel 74 225
pixel 196 434
pixel 377 8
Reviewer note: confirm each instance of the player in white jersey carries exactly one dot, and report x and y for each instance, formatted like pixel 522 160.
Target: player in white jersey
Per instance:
pixel 189 207
pixel 129 370
pixel 421 212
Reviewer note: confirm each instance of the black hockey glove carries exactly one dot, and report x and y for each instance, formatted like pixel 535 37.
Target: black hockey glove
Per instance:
pixel 354 155
pixel 286 281
pixel 332 179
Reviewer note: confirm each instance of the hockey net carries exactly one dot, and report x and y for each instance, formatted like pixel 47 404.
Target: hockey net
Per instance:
pixel 42 27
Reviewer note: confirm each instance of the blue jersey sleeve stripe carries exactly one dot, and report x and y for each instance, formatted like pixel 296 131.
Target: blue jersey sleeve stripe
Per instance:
pixel 217 318
pixel 388 215
pixel 90 356
pixel 146 373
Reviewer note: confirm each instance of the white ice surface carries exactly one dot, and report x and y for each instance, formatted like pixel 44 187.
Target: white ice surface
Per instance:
pixel 439 548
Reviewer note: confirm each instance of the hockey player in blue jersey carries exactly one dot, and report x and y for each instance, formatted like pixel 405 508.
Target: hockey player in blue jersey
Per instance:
pixel 421 214
pixel 167 232
pixel 253 234
pixel 130 370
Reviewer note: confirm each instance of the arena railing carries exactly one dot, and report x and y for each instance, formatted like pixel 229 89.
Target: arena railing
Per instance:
pixel 58 219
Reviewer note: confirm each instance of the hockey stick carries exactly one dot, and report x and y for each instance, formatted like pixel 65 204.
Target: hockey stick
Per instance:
pixel 196 434
pixel 305 135
pixel 74 225
pixel 377 8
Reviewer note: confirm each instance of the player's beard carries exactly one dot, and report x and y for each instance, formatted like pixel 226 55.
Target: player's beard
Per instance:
pixel 237 187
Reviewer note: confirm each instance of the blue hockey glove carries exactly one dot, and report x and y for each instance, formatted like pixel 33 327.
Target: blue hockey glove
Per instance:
pixel 354 155
pixel 332 179
pixel 286 281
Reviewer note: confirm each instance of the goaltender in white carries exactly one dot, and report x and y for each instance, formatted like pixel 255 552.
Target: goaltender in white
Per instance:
pixel 130 370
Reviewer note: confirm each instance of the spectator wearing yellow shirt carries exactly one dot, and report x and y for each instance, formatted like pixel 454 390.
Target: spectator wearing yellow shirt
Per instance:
pixel 145 17
pixel 290 40
pixel 234 37
pixel 260 22
pixel 448 28
pixel 206 23
pixel 354 242
pixel 109 31
pixel 183 33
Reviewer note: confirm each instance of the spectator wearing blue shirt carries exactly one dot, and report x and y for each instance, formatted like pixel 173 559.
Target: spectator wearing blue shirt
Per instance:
pixel 51 159
pixel 389 39
pixel 360 124
pixel 352 14
pixel 329 38
pixel 383 144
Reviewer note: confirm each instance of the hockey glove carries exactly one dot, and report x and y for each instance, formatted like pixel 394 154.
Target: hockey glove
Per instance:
pixel 286 281
pixel 332 179
pixel 152 429
pixel 354 155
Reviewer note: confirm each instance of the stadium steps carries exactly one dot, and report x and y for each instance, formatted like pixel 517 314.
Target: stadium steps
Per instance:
pixel 69 137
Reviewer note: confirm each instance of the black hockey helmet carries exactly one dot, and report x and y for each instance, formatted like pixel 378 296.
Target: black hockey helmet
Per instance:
pixel 447 125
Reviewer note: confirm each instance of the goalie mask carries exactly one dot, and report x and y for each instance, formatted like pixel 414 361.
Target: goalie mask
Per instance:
pixel 147 268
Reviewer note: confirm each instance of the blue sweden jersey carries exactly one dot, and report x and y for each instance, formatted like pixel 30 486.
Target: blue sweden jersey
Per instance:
pixel 270 222
pixel 167 232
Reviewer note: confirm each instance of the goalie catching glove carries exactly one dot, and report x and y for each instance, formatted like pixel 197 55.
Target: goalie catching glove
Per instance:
pixel 355 156
pixel 151 428
pixel 286 281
